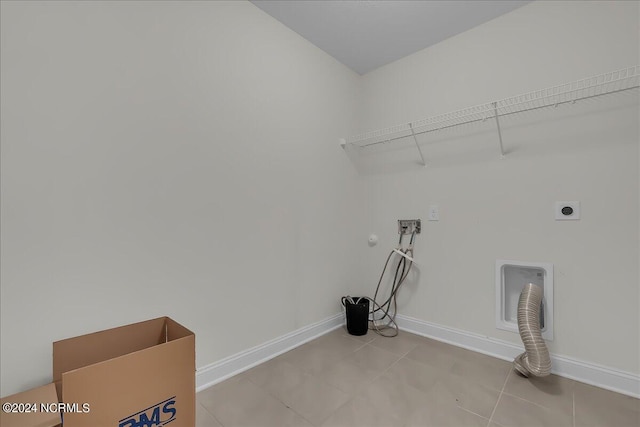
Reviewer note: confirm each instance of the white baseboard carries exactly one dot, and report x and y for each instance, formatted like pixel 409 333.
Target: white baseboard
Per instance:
pixel 586 372
pixel 237 363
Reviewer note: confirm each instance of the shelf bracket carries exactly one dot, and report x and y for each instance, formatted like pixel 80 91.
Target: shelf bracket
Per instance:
pixel 495 111
pixel 415 139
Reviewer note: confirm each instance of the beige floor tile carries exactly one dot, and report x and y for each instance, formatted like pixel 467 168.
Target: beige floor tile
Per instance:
pixel 277 376
pixel 382 330
pixel 372 358
pixel 515 412
pixel 368 337
pixel 469 395
pixel 349 377
pixel 437 354
pixel 393 397
pixel 312 359
pixel 204 418
pixel 483 369
pixel 445 416
pixel 597 407
pixel 240 403
pixel 360 413
pixel 401 344
pixel 340 331
pixel 552 391
pixel 314 399
pixel 339 344
pixel 205 397
pixel 417 375
pixel 277 416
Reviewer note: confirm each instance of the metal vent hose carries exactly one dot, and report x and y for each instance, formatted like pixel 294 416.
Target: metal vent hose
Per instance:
pixel 535 360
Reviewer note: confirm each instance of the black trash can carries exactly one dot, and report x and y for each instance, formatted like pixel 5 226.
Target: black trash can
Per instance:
pixel 357 315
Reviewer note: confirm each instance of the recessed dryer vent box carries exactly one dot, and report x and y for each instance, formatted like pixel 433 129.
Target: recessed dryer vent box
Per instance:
pixel 511 277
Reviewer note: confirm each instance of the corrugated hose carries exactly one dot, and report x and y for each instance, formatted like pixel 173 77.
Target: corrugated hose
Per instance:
pixel 535 360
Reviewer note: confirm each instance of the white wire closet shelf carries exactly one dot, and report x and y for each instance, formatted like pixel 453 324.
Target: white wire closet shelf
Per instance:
pixel 591 87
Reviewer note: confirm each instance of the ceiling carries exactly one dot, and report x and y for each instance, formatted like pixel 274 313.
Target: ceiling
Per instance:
pixel 365 34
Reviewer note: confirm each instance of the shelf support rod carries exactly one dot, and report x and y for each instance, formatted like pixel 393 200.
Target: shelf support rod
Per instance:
pixel 415 139
pixel 495 111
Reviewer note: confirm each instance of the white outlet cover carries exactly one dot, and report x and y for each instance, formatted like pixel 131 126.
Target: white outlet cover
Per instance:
pixel 573 207
pixel 434 213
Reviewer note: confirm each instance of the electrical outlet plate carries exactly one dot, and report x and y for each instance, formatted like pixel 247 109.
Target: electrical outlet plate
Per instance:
pixel 408 226
pixel 567 211
pixel 434 213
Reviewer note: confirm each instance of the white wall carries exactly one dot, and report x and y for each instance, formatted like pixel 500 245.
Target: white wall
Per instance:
pixel 503 209
pixel 169 158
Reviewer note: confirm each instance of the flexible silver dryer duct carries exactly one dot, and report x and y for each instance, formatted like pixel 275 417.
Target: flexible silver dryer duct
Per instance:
pixel 535 360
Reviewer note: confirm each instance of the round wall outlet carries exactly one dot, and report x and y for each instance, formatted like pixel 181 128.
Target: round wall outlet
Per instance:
pixel 567 210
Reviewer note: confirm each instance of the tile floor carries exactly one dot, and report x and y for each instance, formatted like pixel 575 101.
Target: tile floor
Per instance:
pixel 342 380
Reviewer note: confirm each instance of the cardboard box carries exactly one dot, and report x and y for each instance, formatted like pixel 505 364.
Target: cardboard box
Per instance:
pixel 25 409
pixel 137 375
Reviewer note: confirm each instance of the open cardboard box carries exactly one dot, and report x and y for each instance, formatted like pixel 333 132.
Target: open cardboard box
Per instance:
pixel 141 374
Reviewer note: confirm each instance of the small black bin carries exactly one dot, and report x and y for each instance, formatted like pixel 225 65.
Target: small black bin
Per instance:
pixel 357 315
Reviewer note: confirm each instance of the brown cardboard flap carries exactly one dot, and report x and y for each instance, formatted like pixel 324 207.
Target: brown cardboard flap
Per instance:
pixel 74 353
pixel 176 331
pixel 45 395
pixel 59 390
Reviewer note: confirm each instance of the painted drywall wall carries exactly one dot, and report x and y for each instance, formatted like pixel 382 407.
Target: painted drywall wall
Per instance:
pixel 169 158
pixel 492 208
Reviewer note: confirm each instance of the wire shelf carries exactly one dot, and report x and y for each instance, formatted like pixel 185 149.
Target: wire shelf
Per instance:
pixel 591 87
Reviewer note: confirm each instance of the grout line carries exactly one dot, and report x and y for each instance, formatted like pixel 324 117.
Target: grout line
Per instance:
pixel 297 413
pixel 379 373
pixel 573 400
pixel 319 378
pixel 280 400
pixel 528 401
pixel 364 344
pixel 402 355
pixel 357 349
pixel 354 395
pixel 210 413
pixel 471 412
pixel 494 410
pixel 499 397
pixel 359 341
